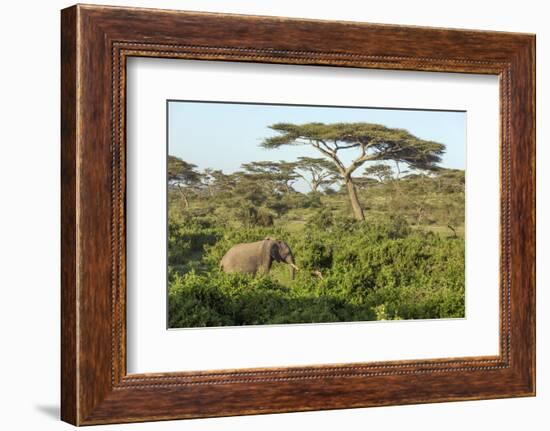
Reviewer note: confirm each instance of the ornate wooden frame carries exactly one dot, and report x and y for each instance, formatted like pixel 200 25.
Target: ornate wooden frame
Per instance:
pixel 95 43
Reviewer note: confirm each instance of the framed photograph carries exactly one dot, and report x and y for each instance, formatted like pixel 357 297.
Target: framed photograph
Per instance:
pixel 264 214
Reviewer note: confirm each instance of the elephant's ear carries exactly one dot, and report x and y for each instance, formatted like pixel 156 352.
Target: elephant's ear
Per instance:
pixel 272 248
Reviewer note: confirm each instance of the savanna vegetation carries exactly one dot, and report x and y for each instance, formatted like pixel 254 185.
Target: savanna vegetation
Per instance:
pixel 379 234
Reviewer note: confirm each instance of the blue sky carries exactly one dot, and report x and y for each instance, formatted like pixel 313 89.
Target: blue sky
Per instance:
pixel 225 135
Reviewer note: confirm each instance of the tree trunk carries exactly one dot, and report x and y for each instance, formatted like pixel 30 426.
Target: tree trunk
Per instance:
pixel 287 188
pixel 314 186
pixel 184 196
pixel 355 205
pixel 186 201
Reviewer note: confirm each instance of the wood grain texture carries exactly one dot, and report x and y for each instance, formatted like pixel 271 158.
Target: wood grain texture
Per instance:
pixel 96 41
pixel 69 366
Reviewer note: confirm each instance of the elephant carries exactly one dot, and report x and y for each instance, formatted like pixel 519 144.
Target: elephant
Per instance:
pixel 257 257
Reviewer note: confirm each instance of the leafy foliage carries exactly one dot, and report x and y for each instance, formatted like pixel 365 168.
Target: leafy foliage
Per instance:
pixel 402 259
pixel 378 142
pixel 385 268
pixel 371 143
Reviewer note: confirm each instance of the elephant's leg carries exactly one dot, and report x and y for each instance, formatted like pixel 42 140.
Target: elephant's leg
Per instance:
pixel 266 267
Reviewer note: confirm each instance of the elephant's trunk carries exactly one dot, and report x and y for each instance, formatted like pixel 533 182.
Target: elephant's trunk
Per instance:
pixel 293 267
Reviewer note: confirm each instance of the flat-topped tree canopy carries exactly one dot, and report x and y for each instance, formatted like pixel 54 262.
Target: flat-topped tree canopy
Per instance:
pixel 316 171
pixel 180 171
pixel 319 163
pixel 373 142
pixel 183 177
pixel 376 142
pixel 281 172
pixel 379 171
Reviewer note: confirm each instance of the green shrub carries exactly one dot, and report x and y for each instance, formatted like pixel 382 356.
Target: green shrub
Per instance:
pixel 403 262
pixel 368 271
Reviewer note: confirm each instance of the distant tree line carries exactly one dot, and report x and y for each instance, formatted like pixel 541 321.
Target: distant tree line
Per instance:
pixel 370 142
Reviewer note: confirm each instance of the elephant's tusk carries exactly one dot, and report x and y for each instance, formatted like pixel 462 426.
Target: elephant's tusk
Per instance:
pixel 294 266
pixel 318 274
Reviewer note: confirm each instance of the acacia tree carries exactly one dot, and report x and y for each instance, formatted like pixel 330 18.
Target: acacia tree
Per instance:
pixel 381 172
pixel 208 179
pixel 224 183
pixel 317 172
pixel 279 174
pixel 183 177
pixel 371 142
pixel 214 181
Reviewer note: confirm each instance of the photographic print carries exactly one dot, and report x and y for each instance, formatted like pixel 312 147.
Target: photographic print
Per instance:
pixel 267 222
pixel 299 214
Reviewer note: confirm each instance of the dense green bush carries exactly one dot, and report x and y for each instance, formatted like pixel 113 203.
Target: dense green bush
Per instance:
pixel 406 261
pixel 219 299
pixel 349 271
pixel 187 241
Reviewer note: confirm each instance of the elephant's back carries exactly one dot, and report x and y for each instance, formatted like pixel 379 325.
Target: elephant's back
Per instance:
pixel 245 246
pixel 237 253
